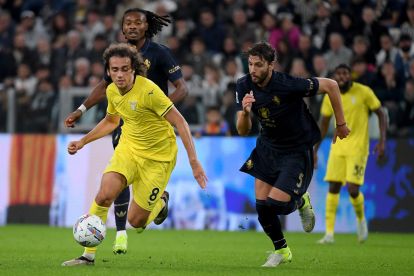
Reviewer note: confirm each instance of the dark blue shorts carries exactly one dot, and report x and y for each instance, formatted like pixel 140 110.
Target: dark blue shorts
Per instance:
pixel 290 172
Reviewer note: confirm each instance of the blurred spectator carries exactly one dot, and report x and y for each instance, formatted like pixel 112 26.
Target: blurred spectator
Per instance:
pixel 232 72
pixel 285 56
pixel 198 56
pixel 406 53
pixel 59 27
pixel 338 53
pixel 177 50
pixel 39 114
pixel 266 27
pixel 361 50
pixel 211 31
pixel 371 29
pixel 306 10
pixel 6 30
pixel 255 9
pixel 389 90
pixel 21 53
pixel 124 5
pixel 212 92
pixel 230 52
pixel 320 69
pixel 240 29
pixel 182 30
pixel 346 27
pixel 408 26
pixel 229 108
pixel 318 26
pixel 298 68
pixel 32 28
pixel 406 111
pixel 74 50
pixel 24 85
pixel 188 108
pixel 215 125
pixel 306 51
pixel 226 10
pixel 111 27
pixel 389 52
pixel 82 72
pixel 361 73
pixel 98 47
pixel 92 27
pixel 286 30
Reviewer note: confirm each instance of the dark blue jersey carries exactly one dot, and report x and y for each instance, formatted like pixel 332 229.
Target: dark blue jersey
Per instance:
pixel 161 65
pixel 286 122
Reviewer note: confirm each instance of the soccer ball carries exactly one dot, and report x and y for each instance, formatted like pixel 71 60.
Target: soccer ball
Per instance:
pixel 89 230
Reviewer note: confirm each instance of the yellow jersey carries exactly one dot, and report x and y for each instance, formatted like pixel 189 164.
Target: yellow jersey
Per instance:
pixel 145 132
pixel 357 102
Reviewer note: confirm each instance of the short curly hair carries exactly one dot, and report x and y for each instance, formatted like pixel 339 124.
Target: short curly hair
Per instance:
pixel 126 50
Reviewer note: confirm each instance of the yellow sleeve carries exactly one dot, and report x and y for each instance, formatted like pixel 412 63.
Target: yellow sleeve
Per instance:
pixel 157 101
pixel 110 96
pixel 372 100
pixel 326 107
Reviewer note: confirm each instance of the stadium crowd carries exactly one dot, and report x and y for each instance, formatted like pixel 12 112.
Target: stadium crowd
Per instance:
pixel 49 46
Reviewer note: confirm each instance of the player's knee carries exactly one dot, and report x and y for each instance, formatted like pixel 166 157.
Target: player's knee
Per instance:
pixel 353 190
pixel 281 207
pixel 137 222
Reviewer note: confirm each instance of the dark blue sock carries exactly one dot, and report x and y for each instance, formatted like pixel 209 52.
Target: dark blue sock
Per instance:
pixel 121 209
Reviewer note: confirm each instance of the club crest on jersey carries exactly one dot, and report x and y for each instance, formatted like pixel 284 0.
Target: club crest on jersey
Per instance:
pixel 133 105
pixel 264 112
pixel 249 164
pixel 147 63
pixel 276 100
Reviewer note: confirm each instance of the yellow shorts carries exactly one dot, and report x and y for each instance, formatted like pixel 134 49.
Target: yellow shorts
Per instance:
pixel 148 178
pixel 346 169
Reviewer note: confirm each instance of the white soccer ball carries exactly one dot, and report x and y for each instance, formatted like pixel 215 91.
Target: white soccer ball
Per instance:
pixel 89 230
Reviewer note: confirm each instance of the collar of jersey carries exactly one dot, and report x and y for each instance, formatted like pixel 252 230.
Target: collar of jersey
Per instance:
pixel 144 47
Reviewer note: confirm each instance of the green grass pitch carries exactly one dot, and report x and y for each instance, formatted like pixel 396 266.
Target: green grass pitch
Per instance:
pixel 40 250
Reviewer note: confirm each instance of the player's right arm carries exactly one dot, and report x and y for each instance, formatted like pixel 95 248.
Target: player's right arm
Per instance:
pixel 244 122
pixel 103 128
pixel 97 95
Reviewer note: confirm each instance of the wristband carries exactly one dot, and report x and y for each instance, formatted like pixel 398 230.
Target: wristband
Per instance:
pixel 82 108
pixel 340 125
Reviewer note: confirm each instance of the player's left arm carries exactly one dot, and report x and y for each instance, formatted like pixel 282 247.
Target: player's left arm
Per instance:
pixel 175 76
pixel 180 92
pixel 382 121
pixel 176 119
pixel 104 127
pixel 331 88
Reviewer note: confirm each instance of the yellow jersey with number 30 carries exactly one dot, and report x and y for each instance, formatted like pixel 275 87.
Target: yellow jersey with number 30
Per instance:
pixel 145 131
pixel 357 102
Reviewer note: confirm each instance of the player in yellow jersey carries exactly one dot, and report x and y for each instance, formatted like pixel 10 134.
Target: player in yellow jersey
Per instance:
pixel 348 157
pixel 147 151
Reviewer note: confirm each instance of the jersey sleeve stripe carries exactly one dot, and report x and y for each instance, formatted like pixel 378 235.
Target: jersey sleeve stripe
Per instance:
pixel 168 109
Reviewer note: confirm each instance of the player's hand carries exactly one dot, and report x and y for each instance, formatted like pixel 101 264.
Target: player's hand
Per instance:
pixel 74 146
pixel 341 132
pixel 380 150
pixel 72 118
pixel 248 101
pixel 199 174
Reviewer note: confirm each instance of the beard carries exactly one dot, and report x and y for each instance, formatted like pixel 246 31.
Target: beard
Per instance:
pixel 345 87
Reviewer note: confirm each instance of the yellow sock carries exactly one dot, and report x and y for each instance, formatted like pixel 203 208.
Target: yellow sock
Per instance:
pixel 358 204
pixel 101 212
pixel 332 201
pixel 154 213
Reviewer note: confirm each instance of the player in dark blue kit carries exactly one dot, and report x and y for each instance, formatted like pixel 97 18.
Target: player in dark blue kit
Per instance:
pixel 282 162
pixel 139 26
